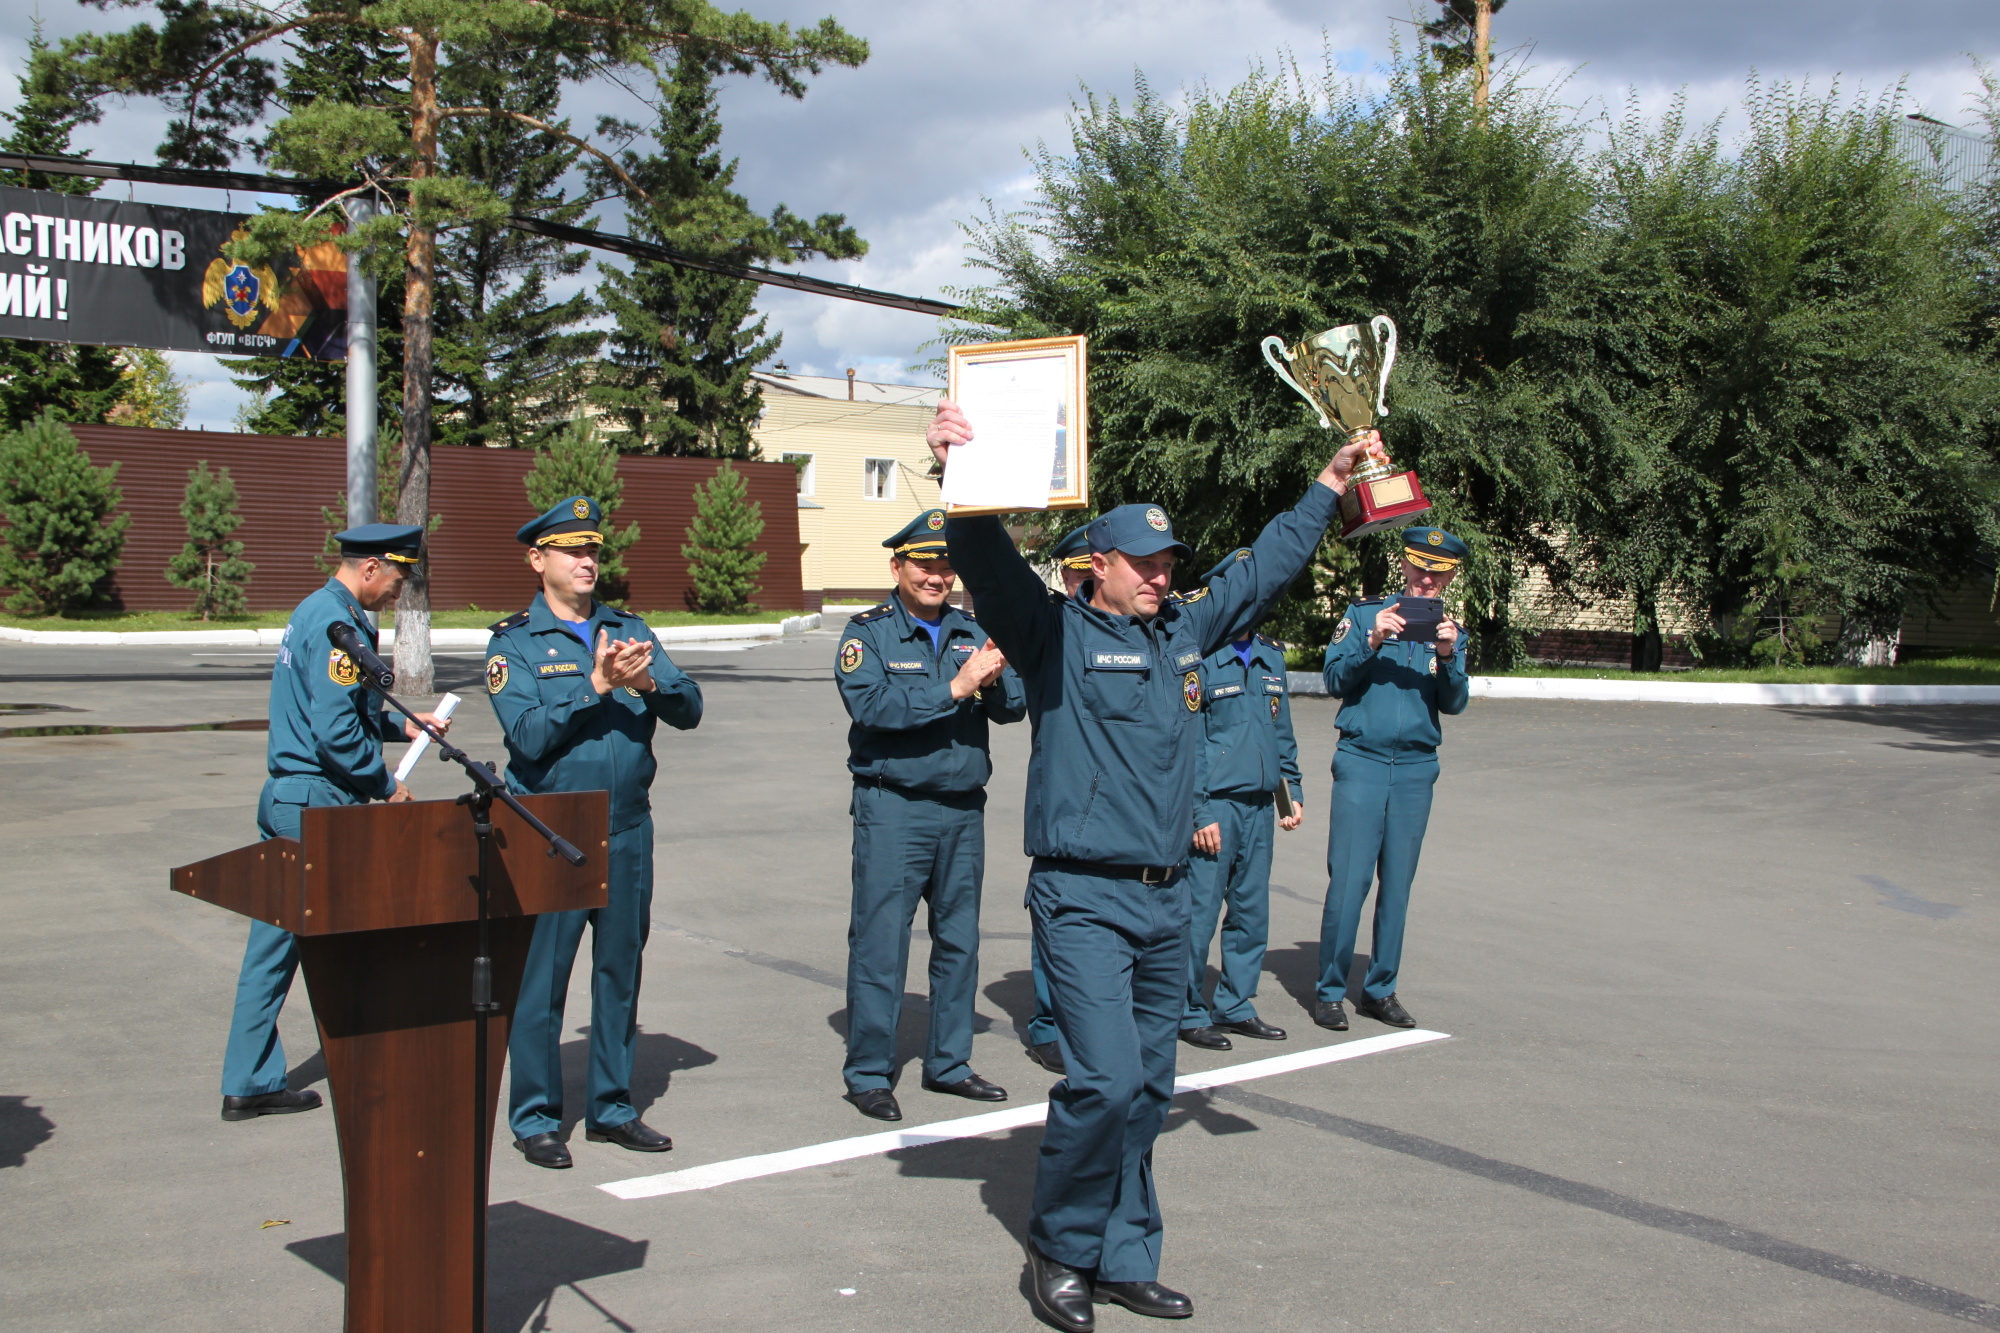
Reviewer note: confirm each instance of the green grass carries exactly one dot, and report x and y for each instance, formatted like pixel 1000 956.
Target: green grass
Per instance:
pixel 126 622
pixel 1977 666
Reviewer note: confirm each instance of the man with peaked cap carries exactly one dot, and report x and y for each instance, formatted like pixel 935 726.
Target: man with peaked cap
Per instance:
pixel 1248 752
pixel 1072 556
pixel 921 682
pixel 580 688
pixel 325 748
pixel 1384 768
pixel 1114 689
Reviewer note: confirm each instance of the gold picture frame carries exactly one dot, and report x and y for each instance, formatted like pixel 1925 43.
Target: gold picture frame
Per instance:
pixel 981 370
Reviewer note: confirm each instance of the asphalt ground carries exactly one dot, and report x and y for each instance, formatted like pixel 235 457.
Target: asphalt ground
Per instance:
pixel 1720 984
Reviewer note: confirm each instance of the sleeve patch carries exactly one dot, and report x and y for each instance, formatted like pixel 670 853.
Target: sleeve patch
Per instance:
pixel 850 655
pixel 496 673
pixel 340 669
pixel 1340 630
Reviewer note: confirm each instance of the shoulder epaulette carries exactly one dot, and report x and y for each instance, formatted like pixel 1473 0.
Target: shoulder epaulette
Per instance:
pixel 1184 598
pixel 872 613
pixel 1370 601
pixel 967 614
pixel 514 621
pixel 1268 641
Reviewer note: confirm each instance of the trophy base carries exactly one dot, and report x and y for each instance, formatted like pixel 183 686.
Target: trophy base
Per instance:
pixel 1385 502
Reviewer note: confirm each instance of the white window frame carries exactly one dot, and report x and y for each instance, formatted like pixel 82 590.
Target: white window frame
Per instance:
pixel 806 477
pixel 888 470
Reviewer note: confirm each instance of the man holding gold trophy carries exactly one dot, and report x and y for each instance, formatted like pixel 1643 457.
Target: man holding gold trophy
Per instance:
pixel 1113 687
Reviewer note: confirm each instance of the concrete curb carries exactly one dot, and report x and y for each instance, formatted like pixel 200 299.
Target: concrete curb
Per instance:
pixel 1700 692
pixel 440 638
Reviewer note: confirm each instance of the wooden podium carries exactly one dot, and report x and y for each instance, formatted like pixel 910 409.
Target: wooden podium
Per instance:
pixel 383 901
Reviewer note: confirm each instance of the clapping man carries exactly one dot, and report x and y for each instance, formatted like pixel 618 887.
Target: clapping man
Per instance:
pixel 579 688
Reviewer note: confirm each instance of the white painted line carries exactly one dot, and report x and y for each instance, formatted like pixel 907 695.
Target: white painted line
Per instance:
pixel 1616 689
pixel 993 1122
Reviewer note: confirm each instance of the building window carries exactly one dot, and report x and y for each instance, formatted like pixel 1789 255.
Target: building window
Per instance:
pixel 803 463
pixel 878 478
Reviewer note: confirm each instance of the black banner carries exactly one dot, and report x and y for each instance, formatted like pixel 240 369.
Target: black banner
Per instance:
pixel 74 269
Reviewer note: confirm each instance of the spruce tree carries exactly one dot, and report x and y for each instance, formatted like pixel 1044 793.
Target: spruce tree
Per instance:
pixel 579 461
pixel 720 562
pixel 150 394
pixel 59 539
pixel 683 343
pixel 212 562
pixel 78 383
pixel 509 357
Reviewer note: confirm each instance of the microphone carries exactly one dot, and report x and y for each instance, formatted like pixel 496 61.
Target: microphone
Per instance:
pixel 346 638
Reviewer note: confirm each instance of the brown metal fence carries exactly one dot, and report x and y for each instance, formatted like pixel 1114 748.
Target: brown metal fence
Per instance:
pixel 283 484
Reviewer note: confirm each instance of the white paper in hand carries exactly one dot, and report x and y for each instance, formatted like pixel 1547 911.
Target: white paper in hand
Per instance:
pixel 446 707
pixel 1015 409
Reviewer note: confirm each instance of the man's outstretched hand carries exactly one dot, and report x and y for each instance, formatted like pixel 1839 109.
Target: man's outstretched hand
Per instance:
pixel 1341 466
pixel 948 427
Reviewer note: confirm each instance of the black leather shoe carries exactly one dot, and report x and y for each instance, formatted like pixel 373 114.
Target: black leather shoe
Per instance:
pixel 1147 1298
pixel 545 1150
pixel 286 1102
pixel 876 1104
pixel 1209 1039
pixel 1385 1010
pixel 1049 1056
pixel 634 1134
pixel 1060 1293
pixel 1253 1026
pixel 1329 1014
pixel 971 1087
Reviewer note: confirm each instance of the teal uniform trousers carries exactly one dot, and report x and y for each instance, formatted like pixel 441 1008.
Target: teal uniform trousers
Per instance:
pixel 1042 1026
pixel 253 1063
pixel 1239 878
pixel 1380 811
pixel 911 849
pixel 1116 956
pixel 618 933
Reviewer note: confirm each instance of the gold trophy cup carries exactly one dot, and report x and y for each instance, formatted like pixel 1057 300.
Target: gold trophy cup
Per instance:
pixel 1344 374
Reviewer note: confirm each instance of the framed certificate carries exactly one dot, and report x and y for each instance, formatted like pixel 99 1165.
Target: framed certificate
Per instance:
pixel 1030 426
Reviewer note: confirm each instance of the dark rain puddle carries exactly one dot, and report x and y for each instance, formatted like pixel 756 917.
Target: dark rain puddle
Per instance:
pixel 87 729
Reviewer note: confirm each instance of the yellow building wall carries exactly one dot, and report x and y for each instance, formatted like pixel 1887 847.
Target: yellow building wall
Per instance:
pixel 843 535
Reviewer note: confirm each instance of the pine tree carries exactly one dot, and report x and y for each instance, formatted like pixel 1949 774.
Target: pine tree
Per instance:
pixel 79 383
pixel 727 522
pixel 150 393
pixel 212 562
pixel 579 461
pixel 509 358
pixel 683 344
pixel 59 539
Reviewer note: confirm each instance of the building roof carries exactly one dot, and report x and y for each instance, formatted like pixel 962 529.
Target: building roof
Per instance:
pixel 863 391
pixel 1960 160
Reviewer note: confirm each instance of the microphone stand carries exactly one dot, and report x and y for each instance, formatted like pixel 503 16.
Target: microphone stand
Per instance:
pixel 487 788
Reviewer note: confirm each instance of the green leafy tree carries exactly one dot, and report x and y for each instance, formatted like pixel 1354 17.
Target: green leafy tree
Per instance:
pixel 78 383
pixel 1802 370
pixel 580 461
pixel 212 562
pixel 205 63
pixel 59 537
pixel 150 393
pixel 683 344
pixel 1176 239
pixel 727 522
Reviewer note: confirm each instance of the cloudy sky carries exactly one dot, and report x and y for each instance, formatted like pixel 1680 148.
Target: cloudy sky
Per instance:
pixel 913 143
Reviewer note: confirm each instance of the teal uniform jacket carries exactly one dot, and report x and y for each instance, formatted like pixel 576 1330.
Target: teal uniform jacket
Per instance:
pixel 907 731
pixel 564 736
pixel 1249 747
pixel 1390 699
pixel 1116 700
pixel 325 724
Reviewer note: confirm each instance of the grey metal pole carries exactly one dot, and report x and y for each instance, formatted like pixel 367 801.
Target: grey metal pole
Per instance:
pixel 362 396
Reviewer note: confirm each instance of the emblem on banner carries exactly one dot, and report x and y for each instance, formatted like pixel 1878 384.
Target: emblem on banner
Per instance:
pixel 238 288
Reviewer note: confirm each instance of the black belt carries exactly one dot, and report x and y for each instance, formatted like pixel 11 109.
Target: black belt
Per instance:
pixel 1144 874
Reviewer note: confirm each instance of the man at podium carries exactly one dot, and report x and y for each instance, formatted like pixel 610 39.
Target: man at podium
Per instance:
pixel 579 688
pixel 325 749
